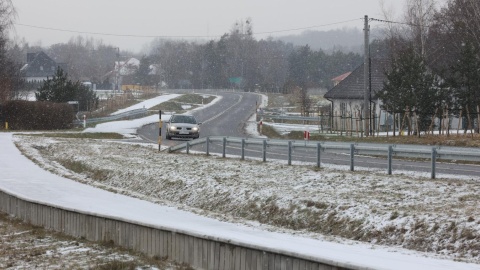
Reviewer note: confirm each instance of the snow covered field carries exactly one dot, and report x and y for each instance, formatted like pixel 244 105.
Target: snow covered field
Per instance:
pixel 438 217
pixel 406 213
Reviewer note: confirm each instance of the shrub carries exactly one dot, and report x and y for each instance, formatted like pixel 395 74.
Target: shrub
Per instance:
pixel 36 115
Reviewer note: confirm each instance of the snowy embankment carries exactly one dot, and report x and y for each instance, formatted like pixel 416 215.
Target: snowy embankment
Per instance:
pixel 147 104
pixel 438 217
pixel 399 213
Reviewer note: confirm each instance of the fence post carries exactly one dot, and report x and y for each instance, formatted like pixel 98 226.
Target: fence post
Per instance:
pixel 264 150
pixel 224 147
pixel 319 149
pixel 243 149
pixel 289 152
pixel 352 152
pixel 390 153
pixel 208 146
pixel 159 129
pixel 434 157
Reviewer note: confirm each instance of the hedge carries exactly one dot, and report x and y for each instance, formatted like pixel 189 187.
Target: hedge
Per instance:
pixel 37 115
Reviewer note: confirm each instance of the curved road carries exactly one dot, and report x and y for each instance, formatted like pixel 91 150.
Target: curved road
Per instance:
pixel 228 116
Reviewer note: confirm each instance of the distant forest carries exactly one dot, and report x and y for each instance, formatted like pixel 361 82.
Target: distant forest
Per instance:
pixel 344 40
pixel 236 60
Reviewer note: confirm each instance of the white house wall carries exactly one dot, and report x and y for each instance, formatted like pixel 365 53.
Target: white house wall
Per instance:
pixel 346 116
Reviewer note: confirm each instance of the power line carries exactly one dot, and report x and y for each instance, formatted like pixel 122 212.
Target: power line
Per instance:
pixel 101 34
pixel 386 21
pixel 309 27
pixel 166 36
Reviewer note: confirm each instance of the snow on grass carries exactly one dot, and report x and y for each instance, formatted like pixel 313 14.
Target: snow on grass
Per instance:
pixel 23 246
pixel 406 212
pixel 148 103
pixel 437 217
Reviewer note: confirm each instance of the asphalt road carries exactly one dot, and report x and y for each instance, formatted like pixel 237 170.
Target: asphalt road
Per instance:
pixel 228 116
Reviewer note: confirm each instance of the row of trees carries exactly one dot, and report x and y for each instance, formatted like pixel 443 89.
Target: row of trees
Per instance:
pixel 435 59
pixel 239 60
pixel 9 70
pixel 435 64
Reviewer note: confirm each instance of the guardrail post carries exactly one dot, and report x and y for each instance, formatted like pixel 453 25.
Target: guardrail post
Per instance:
pixel 352 152
pixel 434 157
pixel 243 149
pixel 319 149
pixel 264 150
pixel 188 147
pixel 289 152
pixel 224 147
pixel 160 130
pixel 390 153
pixel 208 146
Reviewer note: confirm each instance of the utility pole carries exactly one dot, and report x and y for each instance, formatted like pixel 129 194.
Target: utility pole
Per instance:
pixel 366 80
pixel 117 71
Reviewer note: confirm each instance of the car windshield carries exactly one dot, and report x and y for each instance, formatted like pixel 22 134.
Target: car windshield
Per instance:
pixel 183 119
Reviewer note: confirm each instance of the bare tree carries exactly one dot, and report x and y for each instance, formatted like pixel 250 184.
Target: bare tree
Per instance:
pixel 7 15
pixel 8 76
pixel 464 15
pixel 420 15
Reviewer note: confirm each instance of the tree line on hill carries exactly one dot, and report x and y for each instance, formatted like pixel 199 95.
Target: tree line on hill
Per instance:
pixel 435 56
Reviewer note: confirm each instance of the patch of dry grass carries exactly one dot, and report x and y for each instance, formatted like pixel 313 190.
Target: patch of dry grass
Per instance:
pixel 24 246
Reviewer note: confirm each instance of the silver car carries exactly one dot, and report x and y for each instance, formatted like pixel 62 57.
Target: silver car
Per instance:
pixel 183 126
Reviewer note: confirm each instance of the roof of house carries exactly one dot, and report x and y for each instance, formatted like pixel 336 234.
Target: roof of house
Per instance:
pixel 128 67
pixel 39 65
pixel 352 86
pixel 341 77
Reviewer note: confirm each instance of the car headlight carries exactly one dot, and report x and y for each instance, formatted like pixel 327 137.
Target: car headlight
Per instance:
pixel 195 129
pixel 173 128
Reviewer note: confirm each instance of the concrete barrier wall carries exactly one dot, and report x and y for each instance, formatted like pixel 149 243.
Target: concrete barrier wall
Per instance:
pixel 198 252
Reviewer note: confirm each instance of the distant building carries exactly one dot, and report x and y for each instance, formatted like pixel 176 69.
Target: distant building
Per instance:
pixel 347 96
pixel 39 67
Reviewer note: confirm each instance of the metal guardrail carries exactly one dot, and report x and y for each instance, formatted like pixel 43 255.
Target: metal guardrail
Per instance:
pixel 408 151
pixel 129 115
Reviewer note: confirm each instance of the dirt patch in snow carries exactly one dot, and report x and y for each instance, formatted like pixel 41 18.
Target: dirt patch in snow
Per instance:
pixel 438 217
pixel 23 246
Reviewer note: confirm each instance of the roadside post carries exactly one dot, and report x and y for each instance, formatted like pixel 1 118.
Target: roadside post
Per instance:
pixel 434 158
pixel 306 135
pixel 160 130
pixel 84 121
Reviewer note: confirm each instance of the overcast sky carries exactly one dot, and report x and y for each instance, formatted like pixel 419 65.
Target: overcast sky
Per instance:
pixel 186 18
